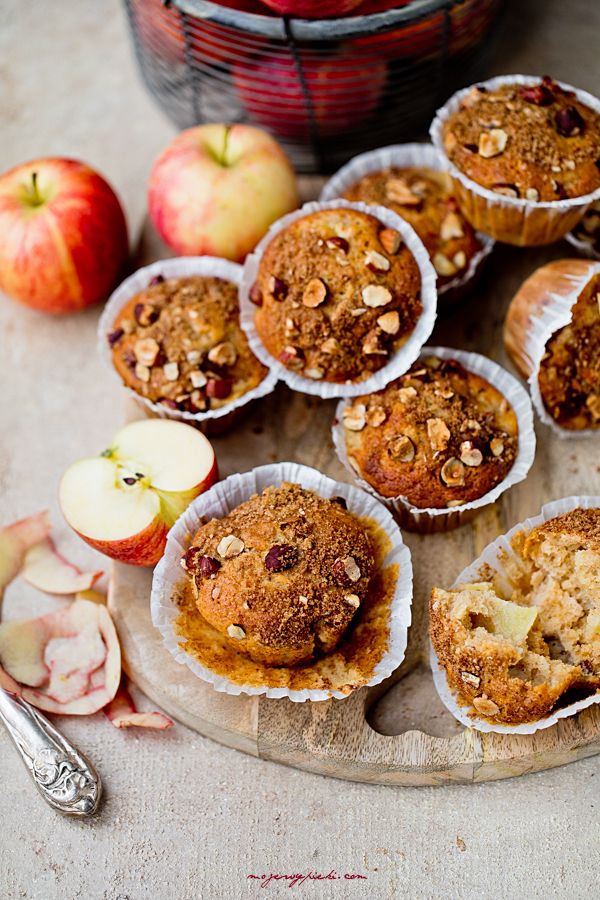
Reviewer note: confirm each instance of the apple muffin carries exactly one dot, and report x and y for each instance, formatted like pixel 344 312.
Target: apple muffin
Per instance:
pixel 569 374
pixel 439 436
pixel 536 142
pixel 178 343
pixel 337 293
pixel 513 658
pixel 282 575
pixel 424 197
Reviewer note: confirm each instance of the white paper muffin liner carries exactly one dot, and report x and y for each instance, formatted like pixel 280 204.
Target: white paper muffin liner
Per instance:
pixel 401 359
pixel 557 313
pixel 554 209
pixel 406 156
pixel 178 267
pixel 586 248
pixel 220 500
pixel 418 519
pixel 492 558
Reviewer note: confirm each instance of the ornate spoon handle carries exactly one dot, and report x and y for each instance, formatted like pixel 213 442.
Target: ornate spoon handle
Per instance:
pixel 63 776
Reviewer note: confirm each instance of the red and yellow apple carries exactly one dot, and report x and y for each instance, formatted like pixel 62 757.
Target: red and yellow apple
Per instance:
pixel 216 189
pixel 342 94
pixel 63 235
pixel 313 9
pixel 124 501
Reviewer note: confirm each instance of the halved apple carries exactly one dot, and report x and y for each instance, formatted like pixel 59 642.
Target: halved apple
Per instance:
pixel 124 501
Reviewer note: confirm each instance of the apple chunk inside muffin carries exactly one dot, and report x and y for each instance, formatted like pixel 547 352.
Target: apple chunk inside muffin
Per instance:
pixel 512 658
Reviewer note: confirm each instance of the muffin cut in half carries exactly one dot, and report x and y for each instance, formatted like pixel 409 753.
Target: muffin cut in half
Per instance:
pixel 563 362
pixel 512 655
pixel 282 575
pixel 337 293
pixel 439 436
pixel 179 344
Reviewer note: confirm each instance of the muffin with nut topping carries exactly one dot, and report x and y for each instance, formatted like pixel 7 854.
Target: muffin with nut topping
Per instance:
pixel 522 153
pixel 424 197
pixel 337 293
pixel 439 436
pixel 179 344
pixel 282 575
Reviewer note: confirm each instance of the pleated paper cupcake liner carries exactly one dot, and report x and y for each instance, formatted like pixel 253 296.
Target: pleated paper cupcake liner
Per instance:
pixel 401 359
pixel 211 421
pixel 220 500
pixel 512 220
pixel 492 557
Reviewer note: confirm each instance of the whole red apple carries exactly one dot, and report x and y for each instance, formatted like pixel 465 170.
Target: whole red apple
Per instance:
pixel 313 9
pixel 342 94
pixel 216 189
pixel 63 235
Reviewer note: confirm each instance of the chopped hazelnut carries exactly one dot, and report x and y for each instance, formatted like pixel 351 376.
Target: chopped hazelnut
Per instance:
pixel 355 417
pixel 470 455
pixel 337 243
pixel 329 346
pixel 492 143
pixel 142 372
pixel 471 679
pixel 485 706
pixel 401 448
pixel 593 404
pixel 459 259
pixel 451 227
pixel 398 191
pixel 406 393
pixel 223 354
pixel 438 434
pixel 532 194
pixel 193 357
pixel 442 265
pixel 376 416
pixel 345 570
pixel 146 350
pixel 278 288
pixel 376 262
pixel 316 373
pixel 374 295
pixel 390 322
pixel 497 446
pixel 352 600
pixel 453 472
pixel 236 632
pixel 171 371
pixel 372 344
pixel 198 379
pixel 230 546
pixel 314 293
pixel 390 240
pixel 292 357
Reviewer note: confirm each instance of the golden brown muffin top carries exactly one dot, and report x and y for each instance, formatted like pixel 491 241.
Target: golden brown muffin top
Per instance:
pixel 286 569
pixel 179 343
pixel 338 292
pixel 569 376
pixel 424 197
pixel 583 524
pixel 537 142
pixel 438 436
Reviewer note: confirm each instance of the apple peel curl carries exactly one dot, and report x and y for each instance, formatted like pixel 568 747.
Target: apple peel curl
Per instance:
pixel 45 569
pixel 16 540
pixel 122 713
pixel 66 662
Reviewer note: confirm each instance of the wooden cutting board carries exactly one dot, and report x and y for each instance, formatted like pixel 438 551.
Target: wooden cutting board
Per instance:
pixel 398 732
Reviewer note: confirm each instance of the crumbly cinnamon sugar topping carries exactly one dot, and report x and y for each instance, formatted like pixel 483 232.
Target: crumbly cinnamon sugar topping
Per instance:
pixel 424 198
pixel 536 142
pixel 179 343
pixel 287 567
pixel 438 435
pixel 324 283
pixel 569 376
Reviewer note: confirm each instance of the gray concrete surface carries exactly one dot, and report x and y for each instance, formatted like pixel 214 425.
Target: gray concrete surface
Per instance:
pixel 184 818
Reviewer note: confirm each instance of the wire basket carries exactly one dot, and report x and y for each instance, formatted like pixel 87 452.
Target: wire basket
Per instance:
pixel 326 89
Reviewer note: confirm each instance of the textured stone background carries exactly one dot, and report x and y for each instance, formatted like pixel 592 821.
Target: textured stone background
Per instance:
pixel 183 817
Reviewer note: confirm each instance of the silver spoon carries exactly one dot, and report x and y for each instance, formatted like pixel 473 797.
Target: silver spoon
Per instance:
pixel 63 776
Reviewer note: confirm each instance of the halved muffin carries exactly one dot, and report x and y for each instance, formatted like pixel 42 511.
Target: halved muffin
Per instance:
pixel 512 655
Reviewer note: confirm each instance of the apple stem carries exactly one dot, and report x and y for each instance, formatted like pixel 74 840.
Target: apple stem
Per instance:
pixel 36 197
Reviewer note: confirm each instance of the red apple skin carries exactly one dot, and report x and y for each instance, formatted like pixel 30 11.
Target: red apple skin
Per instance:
pixel 69 250
pixel 343 94
pixel 313 9
pixel 146 547
pixel 201 206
